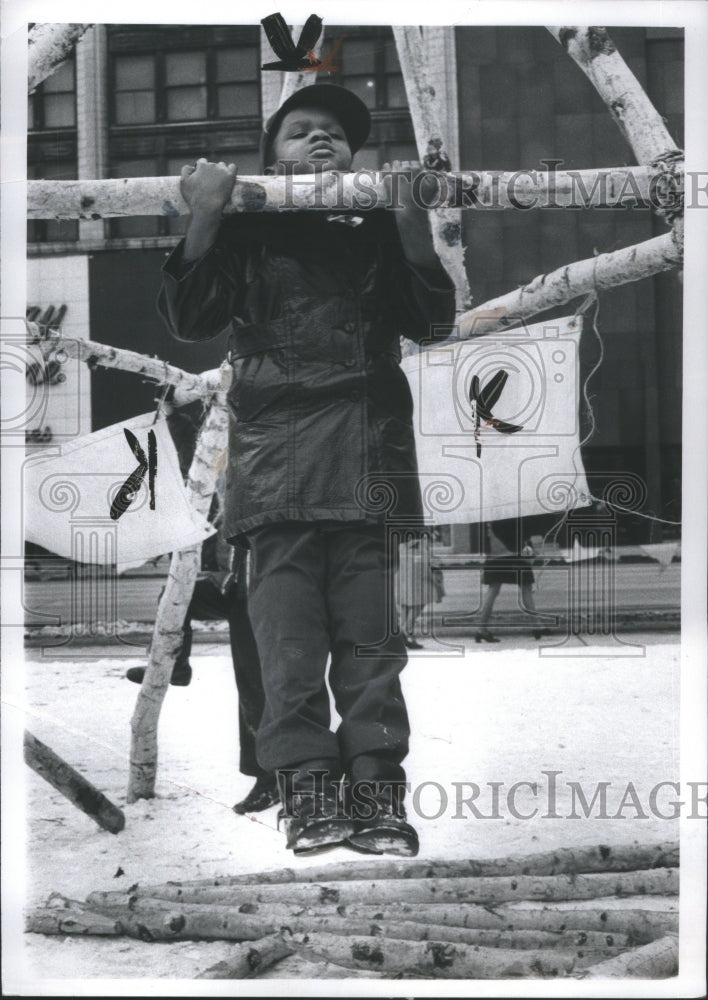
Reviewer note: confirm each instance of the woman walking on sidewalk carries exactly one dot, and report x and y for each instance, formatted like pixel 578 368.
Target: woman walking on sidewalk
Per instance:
pixel 507 561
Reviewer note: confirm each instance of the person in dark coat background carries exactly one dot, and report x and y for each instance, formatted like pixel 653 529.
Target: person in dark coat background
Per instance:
pixel 322 457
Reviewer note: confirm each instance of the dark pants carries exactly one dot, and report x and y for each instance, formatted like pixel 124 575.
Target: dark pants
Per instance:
pixel 209 604
pixel 320 589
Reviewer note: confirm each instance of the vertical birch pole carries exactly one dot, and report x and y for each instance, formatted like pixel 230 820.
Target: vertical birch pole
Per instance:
pixel 428 116
pixel 171 612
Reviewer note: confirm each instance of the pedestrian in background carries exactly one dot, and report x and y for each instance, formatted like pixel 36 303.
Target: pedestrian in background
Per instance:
pixel 508 559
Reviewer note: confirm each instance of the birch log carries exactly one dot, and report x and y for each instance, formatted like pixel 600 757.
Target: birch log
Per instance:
pixel 433 959
pixel 607 270
pixel 427 116
pixel 72 785
pixel 562 861
pixel 167 921
pixel 250 960
pixel 50 45
pixel 638 120
pixel 188 386
pixel 658 960
pixel 482 190
pixel 640 123
pixel 639 926
pixel 169 621
pixel 487 891
pixel 73 920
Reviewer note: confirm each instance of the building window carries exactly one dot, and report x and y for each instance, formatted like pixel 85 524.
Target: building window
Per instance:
pixel 134 90
pixel 53 104
pixel 207 84
pixel 367 64
pixel 51 145
pixel 237 82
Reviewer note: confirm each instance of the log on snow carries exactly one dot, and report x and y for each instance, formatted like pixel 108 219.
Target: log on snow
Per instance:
pixel 483 190
pixel 639 926
pixel 169 920
pixel 71 919
pixel 501 889
pixel 50 45
pixel 561 861
pixel 434 959
pixel 80 792
pixel 658 960
pixel 188 386
pixel 250 960
pixel 172 609
pixel 546 291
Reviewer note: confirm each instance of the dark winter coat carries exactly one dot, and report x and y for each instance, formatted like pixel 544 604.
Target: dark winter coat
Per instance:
pixel 320 409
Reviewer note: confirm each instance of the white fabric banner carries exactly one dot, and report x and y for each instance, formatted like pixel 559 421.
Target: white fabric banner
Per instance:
pixel 534 470
pixel 90 500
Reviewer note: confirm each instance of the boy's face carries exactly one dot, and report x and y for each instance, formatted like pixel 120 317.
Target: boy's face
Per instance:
pixel 313 137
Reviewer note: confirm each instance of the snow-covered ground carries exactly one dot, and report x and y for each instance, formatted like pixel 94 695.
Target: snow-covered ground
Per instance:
pixel 500 714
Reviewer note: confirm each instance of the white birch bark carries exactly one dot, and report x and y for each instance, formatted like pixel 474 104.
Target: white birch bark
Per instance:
pixel 50 45
pixel 427 115
pixel 548 290
pixel 167 634
pixel 188 386
pixel 484 190
pixel 640 123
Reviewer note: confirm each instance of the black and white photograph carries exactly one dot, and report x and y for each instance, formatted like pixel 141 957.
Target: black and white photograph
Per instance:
pixel 354 476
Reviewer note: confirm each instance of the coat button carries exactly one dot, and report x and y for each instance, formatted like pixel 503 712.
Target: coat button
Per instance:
pixel 349 328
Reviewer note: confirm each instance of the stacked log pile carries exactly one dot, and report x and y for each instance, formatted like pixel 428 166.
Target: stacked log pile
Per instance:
pixel 420 919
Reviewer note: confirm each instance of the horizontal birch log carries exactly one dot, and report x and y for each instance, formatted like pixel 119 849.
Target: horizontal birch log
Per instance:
pixel 73 920
pixel 485 190
pixel 72 785
pixel 638 925
pixel 434 959
pixel 658 960
pixel 501 889
pixel 213 921
pixel 561 861
pixel 188 386
pixel 250 960
pixel 546 291
pixel 594 52
pixel 50 45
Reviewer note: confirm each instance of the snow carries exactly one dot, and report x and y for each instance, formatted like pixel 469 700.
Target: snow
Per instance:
pixel 503 714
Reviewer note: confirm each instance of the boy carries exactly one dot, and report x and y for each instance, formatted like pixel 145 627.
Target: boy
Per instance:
pixel 322 454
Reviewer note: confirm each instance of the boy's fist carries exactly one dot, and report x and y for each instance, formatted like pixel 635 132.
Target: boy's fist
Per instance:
pixel 207 187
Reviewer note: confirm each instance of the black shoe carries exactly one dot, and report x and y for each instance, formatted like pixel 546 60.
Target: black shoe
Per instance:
pixel 386 832
pixel 313 815
pixel 181 675
pixel 263 795
pixel 314 823
pixel 411 643
pixel 484 635
pixel 538 633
